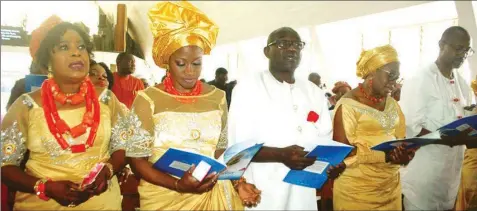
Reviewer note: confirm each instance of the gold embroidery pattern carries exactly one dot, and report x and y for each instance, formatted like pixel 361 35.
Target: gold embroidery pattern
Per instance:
pixel 129 135
pixel 28 102
pixel 387 119
pixel 105 97
pixel 223 139
pixel 13 145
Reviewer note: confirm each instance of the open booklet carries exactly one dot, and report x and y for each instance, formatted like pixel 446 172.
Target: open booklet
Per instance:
pixel 34 82
pixel 329 153
pixel 231 165
pixel 451 129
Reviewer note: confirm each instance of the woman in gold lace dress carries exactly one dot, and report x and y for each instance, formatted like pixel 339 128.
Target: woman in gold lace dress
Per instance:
pixel 467 196
pixel 66 126
pixel 181 113
pixel 367 116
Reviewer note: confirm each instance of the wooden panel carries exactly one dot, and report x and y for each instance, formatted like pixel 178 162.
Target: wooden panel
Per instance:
pixel 121 29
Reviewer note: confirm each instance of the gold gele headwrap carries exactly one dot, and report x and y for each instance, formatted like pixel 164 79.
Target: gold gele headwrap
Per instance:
pixel 373 59
pixel 40 33
pixel 178 24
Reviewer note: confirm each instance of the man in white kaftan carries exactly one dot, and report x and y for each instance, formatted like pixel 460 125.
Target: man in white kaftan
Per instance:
pixel 275 113
pixel 433 98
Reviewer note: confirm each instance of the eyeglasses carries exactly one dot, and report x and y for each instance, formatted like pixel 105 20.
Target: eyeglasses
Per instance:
pixel 461 50
pixel 392 76
pixel 285 44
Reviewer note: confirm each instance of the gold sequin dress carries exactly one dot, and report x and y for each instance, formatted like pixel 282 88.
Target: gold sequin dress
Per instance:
pixel 160 122
pixel 368 183
pixel 25 128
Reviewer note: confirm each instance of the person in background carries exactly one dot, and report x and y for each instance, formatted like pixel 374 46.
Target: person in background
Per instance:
pixel 125 85
pixel 221 77
pixel 467 195
pixel 434 97
pixel 315 78
pixel 37 36
pixel 340 89
pixel 228 92
pixel 278 118
pixel 364 117
pixel 201 80
pixel 67 107
pixel 100 75
pixel 166 115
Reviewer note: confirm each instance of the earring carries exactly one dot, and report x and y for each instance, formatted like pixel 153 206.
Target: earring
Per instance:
pixel 50 72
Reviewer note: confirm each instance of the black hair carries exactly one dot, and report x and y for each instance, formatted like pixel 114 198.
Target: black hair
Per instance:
pixel 121 57
pixel 451 31
pixel 109 74
pixel 53 38
pixel 221 70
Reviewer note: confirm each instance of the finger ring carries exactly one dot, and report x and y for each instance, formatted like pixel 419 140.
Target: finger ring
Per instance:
pixel 72 205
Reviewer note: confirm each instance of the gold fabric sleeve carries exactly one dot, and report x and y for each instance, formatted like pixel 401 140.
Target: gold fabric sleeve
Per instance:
pixel 138 127
pixel 14 132
pixel 364 153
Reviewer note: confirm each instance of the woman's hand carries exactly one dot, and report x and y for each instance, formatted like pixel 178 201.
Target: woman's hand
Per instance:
pixel 66 193
pixel 188 184
pixel 100 184
pixel 124 175
pixel 249 194
pixel 335 171
pixel 400 155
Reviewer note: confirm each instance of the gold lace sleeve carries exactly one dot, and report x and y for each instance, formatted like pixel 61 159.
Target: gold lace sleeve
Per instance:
pixel 223 139
pixel 137 127
pixel 118 111
pixel 14 131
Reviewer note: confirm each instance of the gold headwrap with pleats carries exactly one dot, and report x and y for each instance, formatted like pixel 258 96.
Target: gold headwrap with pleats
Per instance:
pixel 371 60
pixel 177 24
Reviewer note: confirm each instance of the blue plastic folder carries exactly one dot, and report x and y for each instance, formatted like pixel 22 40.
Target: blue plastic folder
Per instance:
pixel 34 82
pixel 451 129
pixel 235 161
pixel 315 175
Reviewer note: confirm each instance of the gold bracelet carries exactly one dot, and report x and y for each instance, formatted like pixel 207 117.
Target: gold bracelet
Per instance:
pixel 111 169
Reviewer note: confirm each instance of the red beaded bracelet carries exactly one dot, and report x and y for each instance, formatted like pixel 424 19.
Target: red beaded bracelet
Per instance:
pixel 40 188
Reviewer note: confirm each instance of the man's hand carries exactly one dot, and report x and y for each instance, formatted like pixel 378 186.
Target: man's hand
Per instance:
pixel 294 157
pixel 335 171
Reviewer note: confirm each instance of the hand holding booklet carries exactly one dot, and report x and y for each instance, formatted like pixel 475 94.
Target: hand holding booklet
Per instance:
pixel 235 161
pixel 328 154
pixel 451 129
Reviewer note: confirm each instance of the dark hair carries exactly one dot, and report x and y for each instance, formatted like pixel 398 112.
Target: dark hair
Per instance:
pixel 53 38
pixel 109 74
pixel 221 70
pixel 121 56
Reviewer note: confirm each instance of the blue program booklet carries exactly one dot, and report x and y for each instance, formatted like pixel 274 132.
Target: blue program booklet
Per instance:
pixel 34 82
pixel 451 129
pixel 230 166
pixel 328 154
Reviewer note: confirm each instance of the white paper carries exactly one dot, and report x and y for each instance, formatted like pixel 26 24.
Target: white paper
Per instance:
pixel 318 167
pixel 201 171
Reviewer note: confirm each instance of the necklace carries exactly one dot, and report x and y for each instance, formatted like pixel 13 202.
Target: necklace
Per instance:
pixel 58 126
pixel 71 98
pixel 169 88
pixel 375 100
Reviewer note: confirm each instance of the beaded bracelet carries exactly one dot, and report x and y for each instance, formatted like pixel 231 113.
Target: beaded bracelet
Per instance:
pixel 40 188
